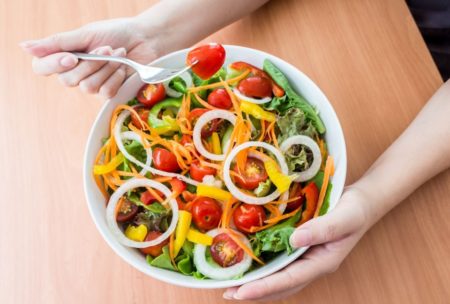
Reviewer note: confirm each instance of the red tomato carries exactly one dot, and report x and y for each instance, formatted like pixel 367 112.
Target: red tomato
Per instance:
pixel 127 211
pixel 255 86
pixel 209 58
pixel 225 251
pixel 143 114
pixel 165 160
pixel 297 203
pixel 196 113
pixel 186 139
pixel 206 213
pixel 220 98
pixel 177 186
pixel 150 94
pixel 252 175
pixel 247 216
pixel 211 127
pixel 148 198
pixel 198 171
pixel 156 250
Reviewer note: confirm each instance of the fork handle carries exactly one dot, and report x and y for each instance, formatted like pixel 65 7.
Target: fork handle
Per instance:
pixel 123 60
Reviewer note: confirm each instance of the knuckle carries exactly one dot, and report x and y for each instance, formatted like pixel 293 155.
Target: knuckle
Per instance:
pixel 68 80
pixel 107 91
pixel 88 87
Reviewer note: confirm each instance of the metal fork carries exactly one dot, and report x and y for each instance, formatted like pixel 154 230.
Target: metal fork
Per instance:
pixel 148 74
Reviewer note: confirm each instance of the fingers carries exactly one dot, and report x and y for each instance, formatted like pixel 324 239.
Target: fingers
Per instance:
pixel 62 42
pixel 84 69
pixel 113 83
pixel 340 222
pixel 93 83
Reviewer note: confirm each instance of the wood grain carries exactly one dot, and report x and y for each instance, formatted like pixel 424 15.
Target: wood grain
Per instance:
pixel 367 56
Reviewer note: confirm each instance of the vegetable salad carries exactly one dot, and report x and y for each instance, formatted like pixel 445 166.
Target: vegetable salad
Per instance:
pixel 210 173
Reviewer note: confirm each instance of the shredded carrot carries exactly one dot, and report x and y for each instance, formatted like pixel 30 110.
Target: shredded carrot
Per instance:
pixel 162 179
pixel 274 137
pixel 118 206
pixel 263 130
pixel 282 217
pixel 234 101
pixel 274 211
pixel 237 240
pixel 260 228
pixel 204 103
pixel 171 249
pixel 286 201
pixel 155 194
pixel 219 84
pixel 329 170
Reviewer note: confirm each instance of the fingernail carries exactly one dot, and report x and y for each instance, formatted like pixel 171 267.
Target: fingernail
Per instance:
pixel 301 238
pixel 120 52
pixel 68 61
pixel 104 50
pixel 27 44
pixel 228 295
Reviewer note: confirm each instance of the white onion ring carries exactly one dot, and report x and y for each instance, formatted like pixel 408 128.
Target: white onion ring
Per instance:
pixel 187 78
pixel 317 156
pixel 217 272
pixel 249 99
pixel 133 136
pixel 202 121
pixel 235 190
pixel 116 132
pixel 124 188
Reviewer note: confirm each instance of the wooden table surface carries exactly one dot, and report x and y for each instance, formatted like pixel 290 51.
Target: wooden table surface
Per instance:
pixel 367 56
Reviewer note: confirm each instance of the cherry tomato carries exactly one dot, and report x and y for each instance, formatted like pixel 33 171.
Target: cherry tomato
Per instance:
pixel 225 251
pixel 165 160
pixel 177 186
pixel 211 127
pixel 220 98
pixel 150 94
pixel 127 211
pixel 156 250
pixel 148 198
pixel 209 57
pixel 255 86
pixel 297 203
pixel 247 216
pixel 196 113
pixel 186 139
pixel 252 175
pixel 206 213
pixel 143 114
pixel 198 171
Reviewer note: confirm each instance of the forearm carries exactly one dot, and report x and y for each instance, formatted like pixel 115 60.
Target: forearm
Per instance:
pixel 421 152
pixel 178 24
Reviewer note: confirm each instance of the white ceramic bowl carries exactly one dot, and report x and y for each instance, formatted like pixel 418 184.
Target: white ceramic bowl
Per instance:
pixel 96 202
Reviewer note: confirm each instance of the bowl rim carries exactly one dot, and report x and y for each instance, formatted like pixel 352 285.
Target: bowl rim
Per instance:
pixel 207 284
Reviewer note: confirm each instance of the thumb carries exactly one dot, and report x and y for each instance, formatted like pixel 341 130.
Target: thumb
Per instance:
pixel 335 225
pixel 62 42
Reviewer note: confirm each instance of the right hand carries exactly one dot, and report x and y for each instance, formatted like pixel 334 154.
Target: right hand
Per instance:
pixel 118 37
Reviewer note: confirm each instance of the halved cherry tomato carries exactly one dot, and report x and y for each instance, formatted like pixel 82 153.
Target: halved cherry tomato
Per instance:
pixel 247 216
pixel 165 160
pixel 177 186
pixel 225 251
pixel 127 211
pixel 143 114
pixel 211 127
pixel 147 198
pixel 297 203
pixel 206 213
pixel 240 66
pixel 150 94
pixel 255 86
pixel 198 171
pixel 220 98
pixel 209 58
pixel 196 113
pixel 156 250
pixel 252 175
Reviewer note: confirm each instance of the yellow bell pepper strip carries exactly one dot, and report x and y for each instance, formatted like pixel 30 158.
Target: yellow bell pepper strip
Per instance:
pixel 281 181
pixel 184 223
pixel 109 167
pixel 137 234
pixel 257 112
pixel 213 192
pixel 216 145
pixel 197 237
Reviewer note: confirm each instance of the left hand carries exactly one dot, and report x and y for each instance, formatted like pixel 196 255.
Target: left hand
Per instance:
pixel 331 236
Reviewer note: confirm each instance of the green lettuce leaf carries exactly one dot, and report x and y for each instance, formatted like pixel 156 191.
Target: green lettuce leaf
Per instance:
pixel 163 260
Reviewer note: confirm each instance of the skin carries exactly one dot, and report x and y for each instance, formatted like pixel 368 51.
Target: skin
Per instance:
pixel 162 29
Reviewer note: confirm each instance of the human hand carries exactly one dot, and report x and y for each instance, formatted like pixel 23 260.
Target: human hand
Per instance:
pixel 331 236
pixel 118 37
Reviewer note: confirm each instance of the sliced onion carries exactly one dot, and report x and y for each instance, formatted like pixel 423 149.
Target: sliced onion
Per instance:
pixel 133 136
pixel 187 78
pixel 124 188
pixel 317 156
pixel 217 272
pixel 117 128
pixel 201 122
pixel 235 190
pixel 249 99
pixel 210 180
